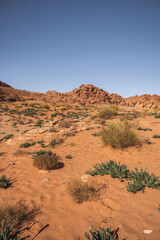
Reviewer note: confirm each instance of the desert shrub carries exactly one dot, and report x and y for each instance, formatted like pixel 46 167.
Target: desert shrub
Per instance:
pixel 39 123
pixel 119 135
pixel 158 207
pixel 144 129
pixel 13 217
pixel 4 182
pixel 29 112
pixel 41 142
pixel 156 136
pixel 45 162
pixel 43 152
pixel 66 107
pixel 68 156
pixel 65 124
pixel 157 116
pixel 108 112
pixel 7 137
pixel 110 168
pixel 96 134
pixel 53 143
pixel 27 144
pixel 103 234
pixel 81 191
pixel 45 106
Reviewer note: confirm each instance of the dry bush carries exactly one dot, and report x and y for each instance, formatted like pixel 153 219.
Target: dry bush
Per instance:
pixel 108 112
pixel 82 191
pixel 66 107
pixel 65 124
pixel 16 215
pixel 45 106
pixel 119 135
pixel 45 162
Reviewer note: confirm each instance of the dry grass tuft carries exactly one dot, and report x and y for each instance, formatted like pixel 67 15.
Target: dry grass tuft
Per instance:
pixel 119 135
pixel 16 215
pixel 108 112
pixel 82 192
pixel 45 162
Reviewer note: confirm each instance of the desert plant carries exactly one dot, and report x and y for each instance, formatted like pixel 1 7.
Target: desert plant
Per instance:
pixel 4 182
pixel 158 207
pixel 68 156
pixel 119 135
pixel 53 143
pixel 96 134
pixel 7 137
pixel 110 168
pixel 156 136
pixel 135 186
pixel 41 142
pixel 12 218
pixel 108 112
pixel 43 152
pixel 157 116
pixel 65 124
pixel 103 234
pixel 39 123
pixel 45 162
pixel 45 106
pixel 27 144
pixel 82 191
pixel 144 129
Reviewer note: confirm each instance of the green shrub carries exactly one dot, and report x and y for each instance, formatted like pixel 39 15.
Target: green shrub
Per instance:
pixel 7 137
pixel 119 135
pixel 43 152
pixel 103 234
pixel 110 168
pixel 108 112
pixel 4 182
pixel 144 129
pixel 41 142
pixel 53 143
pixel 158 207
pixel 156 136
pixel 39 123
pixel 157 116
pixel 27 144
pixel 68 156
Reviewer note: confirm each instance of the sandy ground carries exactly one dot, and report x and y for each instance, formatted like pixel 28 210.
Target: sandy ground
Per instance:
pixel 116 207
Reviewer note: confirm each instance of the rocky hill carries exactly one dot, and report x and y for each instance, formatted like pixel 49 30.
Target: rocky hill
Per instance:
pixel 84 95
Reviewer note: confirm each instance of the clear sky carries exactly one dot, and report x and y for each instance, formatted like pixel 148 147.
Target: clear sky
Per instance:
pixel 61 44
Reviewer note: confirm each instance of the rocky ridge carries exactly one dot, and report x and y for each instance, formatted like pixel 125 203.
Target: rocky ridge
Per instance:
pixel 84 95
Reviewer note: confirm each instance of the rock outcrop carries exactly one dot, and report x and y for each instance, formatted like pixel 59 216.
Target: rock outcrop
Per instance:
pixel 84 95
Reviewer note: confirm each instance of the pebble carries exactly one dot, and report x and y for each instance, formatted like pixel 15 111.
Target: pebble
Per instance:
pixel 90 227
pixel 44 180
pixel 147 231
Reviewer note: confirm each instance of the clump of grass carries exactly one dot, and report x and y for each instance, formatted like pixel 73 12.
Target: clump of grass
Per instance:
pixel 158 207
pixel 66 107
pixel 41 142
pixel 96 134
pixel 53 143
pixel 108 112
pixel 68 156
pixel 27 144
pixel 156 136
pixel 45 162
pixel 13 217
pixel 119 135
pixel 39 123
pixel 103 234
pixel 81 191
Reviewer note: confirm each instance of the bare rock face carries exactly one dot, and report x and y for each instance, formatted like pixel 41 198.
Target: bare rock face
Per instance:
pixel 2 84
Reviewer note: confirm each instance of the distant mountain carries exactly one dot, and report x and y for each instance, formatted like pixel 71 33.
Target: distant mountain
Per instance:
pixel 84 95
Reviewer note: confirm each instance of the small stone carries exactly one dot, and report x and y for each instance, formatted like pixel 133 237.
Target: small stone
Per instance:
pixel 44 171
pixel 44 180
pixel 147 231
pixel 85 177
pixel 90 227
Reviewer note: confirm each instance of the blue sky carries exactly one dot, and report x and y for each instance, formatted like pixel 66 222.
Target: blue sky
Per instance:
pixel 61 44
